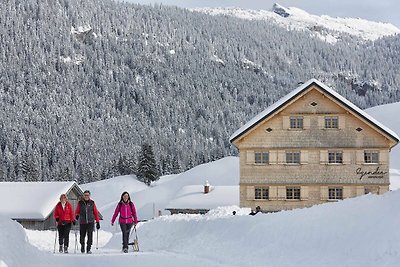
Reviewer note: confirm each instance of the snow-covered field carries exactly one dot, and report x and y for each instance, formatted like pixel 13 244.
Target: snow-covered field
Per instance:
pixel 362 231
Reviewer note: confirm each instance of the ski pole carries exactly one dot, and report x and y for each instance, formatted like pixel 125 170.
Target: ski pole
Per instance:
pixel 55 240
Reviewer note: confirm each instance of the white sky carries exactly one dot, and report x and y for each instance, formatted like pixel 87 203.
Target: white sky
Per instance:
pixel 381 11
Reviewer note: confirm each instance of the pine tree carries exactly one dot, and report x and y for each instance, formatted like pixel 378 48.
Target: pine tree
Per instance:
pixel 147 170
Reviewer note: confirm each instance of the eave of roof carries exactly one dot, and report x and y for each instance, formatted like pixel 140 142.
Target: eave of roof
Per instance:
pixel 299 90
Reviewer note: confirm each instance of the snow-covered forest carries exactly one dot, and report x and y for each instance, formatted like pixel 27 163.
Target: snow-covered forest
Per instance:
pixel 84 83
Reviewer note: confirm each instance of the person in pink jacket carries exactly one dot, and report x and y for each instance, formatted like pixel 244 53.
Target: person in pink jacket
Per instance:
pixel 127 218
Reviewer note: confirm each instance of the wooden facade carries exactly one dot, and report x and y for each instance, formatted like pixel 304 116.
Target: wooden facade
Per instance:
pixel 311 147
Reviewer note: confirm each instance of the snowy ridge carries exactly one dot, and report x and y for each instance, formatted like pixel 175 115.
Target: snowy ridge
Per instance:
pixel 323 27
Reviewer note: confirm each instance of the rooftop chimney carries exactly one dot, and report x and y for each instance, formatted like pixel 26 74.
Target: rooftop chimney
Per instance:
pixel 206 187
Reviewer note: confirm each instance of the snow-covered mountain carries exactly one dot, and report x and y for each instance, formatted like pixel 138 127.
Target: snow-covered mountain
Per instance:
pixel 325 27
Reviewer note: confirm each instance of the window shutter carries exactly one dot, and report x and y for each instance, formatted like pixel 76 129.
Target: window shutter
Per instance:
pixel 346 157
pixel 250 193
pixel 360 190
pixel 342 122
pixel 347 192
pixel 306 122
pixel 281 192
pixel 323 156
pixel 281 157
pixel 321 122
pixel 383 157
pixel 304 192
pixel 383 189
pixel 273 157
pixel 273 192
pixel 286 122
pixel 250 157
pixel 360 156
pixel 304 157
pixel 324 193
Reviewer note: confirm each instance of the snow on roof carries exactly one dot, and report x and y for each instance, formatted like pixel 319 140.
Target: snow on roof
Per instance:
pixel 31 200
pixel 280 103
pixel 193 197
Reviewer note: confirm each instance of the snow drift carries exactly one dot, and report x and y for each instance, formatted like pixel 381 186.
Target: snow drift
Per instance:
pixel 355 232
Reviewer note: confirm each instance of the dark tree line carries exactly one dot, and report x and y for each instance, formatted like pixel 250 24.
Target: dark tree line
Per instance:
pixel 84 83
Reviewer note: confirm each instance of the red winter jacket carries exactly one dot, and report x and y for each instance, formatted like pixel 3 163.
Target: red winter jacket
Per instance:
pixel 66 214
pixel 126 212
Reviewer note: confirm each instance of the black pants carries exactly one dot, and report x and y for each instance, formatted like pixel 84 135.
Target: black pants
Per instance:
pixel 125 229
pixel 63 234
pixel 86 228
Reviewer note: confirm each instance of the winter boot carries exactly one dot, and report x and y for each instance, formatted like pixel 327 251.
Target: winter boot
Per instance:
pixel 83 249
pixel 60 249
pixel 65 249
pixel 125 250
pixel 88 250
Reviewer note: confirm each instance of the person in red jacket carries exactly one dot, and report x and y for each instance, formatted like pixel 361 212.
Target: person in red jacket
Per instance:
pixel 86 212
pixel 127 217
pixel 64 215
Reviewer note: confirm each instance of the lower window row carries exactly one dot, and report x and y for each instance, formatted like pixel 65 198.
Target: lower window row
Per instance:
pixel 294 192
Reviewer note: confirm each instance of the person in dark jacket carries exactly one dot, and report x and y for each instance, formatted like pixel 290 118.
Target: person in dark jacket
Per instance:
pixel 127 217
pixel 86 212
pixel 64 215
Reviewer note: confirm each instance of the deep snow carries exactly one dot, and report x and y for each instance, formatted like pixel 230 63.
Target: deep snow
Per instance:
pixel 361 231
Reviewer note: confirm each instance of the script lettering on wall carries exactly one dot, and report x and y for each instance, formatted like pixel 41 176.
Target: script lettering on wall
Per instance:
pixel 377 173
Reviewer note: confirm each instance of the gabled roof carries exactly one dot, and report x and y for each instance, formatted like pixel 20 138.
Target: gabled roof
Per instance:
pixel 298 91
pixel 192 197
pixel 31 200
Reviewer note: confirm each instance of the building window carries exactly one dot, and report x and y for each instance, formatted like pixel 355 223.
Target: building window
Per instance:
pixel 293 192
pixel 296 122
pixel 261 157
pixel 335 193
pixel 261 193
pixel 293 157
pixel 371 156
pixel 331 122
pixel 335 157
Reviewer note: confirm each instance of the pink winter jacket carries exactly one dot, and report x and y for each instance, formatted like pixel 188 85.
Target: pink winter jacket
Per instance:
pixel 125 213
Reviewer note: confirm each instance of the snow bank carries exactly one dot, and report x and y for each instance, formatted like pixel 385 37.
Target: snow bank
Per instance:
pixel 15 249
pixel 355 232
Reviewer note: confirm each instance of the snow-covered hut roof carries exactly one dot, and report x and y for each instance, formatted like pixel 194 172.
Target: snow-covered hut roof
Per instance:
pixel 193 197
pixel 31 200
pixel 297 92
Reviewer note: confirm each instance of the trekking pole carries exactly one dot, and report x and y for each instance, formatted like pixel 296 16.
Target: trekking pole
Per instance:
pixel 97 242
pixel 55 240
pixel 76 240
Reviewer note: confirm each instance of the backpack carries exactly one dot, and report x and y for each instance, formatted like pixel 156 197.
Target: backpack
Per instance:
pixel 119 209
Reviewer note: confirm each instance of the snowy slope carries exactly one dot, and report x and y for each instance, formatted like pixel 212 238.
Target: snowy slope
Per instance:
pixel 148 200
pixel 110 190
pixel 324 27
pixel 387 115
